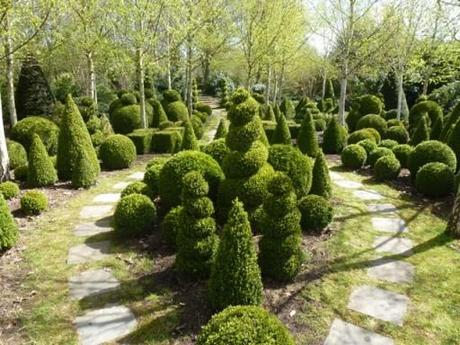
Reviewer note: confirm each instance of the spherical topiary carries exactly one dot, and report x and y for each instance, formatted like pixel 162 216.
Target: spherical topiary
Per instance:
pixel 387 168
pixel 204 108
pixel 9 190
pixel 402 153
pixel 397 133
pixel 47 130
pixel 364 105
pixel 117 152
pixel 245 325
pixel 321 181
pixel 376 134
pixel 128 99
pixel 136 187
pixel 395 123
pixel 316 212
pixel 41 169
pixel 368 144
pixel 176 111
pixel 9 233
pixel 388 143
pixel 431 151
pixel 170 96
pixel 240 138
pixel 354 156
pixel 373 121
pixel 435 179
pixel 378 153
pixel 34 202
pixel 170 225
pixel 17 154
pixel 361 134
pixel 126 119
pixel 152 174
pixel 133 215
pixel 334 137
pixel 217 149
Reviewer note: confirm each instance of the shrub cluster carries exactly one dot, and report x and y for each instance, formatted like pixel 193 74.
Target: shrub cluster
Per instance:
pixel 361 134
pixel 354 156
pixel 133 215
pixel 387 168
pixel 378 153
pixel 316 213
pixel 428 152
pixel 368 144
pixel 435 179
pixel 136 187
pixel 364 105
pixel 117 152
pixel 9 232
pixel 9 190
pixel 398 134
pixel 142 140
pixel 402 153
pixel 217 149
pixel 34 202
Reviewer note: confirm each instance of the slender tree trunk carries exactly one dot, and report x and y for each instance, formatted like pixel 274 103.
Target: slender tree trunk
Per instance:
pixel 10 74
pixel 249 77
pixel 343 96
pixel 280 82
pixel 169 61
pixel 140 80
pixel 275 90
pixel 453 226
pixel 206 70
pixel 92 77
pixel 400 94
pixel 269 85
pixel 4 157
pixel 189 76
pixel 323 87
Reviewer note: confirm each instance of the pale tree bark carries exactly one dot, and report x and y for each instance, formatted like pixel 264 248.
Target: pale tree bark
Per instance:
pixel 92 76
pixel 168 41
pixel 343 95
pixel 400 94
pixel 140 80
pixel 275 89
pixel 323 86
pixel 4 157
pixel 269 85
pixel 453 226
pixel 10 73
pixel 189 75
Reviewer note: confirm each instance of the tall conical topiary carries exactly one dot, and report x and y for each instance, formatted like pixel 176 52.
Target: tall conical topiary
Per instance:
pixel 277 112
pixel 421 132
pixel 334 137
pixel 196 238
pixel 9 233
pixel 189 142
pixel 33 93
pixel 321 183
pixel 287 108
pixel 281 135
pixel 41 170
pixel 159 115
pixel 280 255
pixel 84 175
pixel 235 274
pixel 222 130
pixel 307 140
pixel 74 138
pixel 269 114
pixel 329 90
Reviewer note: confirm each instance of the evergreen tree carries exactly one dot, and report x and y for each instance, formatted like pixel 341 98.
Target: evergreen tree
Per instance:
pixel 280 255
pixel 84 175
pixel 321 183
pixel 287 108
pixel 334 137
pixel 235 274
pixel 9 233
pixel 421 132
pixel 307 141
pixel 41 170
pixel 281 135
pixel 222 130
pixel 277 112
pixel 269 113
pixel 189 142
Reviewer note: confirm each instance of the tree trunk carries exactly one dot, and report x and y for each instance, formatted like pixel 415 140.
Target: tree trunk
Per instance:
pixel 10 74
pixel 206 70
pixel 269 85
pixel 189 76
pixel 140 80
pixel 275 90
pixel 343 96
pixel 453 226
pixel 92 77
pixel 4 157
pixel 323 87
pixel 169 62
pixel 400 94
pixel 249 77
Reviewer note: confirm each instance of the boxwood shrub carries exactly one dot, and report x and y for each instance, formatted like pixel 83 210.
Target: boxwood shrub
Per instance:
pixel 9 190
pixel 126 119
pixel 387 168
pixel 402 153
pixel 9 233
pixel 354 156
pixel 41 170
pixel 334 137
pixel 17 154
pixel 20 173
pixel 47 130
pixel 368 144
pixel 142 140
pixel 137 187
pixel 316 213
pixel 217 149
pixel 321 181
pixel 361 134
pixel 428 152
pixel 435 179
pixel 372 121
pixel 176 111
pixel 152 174
pixel 166 141
pixel 397 133
pixel 378 153
pixel 170 225
pixel 117 152
pixel 388 143
pixel 34 202
pixel 134 215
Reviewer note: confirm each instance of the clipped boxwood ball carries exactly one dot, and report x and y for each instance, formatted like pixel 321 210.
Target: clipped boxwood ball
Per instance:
pixel 126 119
pixel 316 212
pixel 47 130
pixel 360 135
pixel 170 96
pixel 133 215
pixel 9 190
pixel 402 153
pixel 17 154
pixel 378 153
pixel 435 179
pixel 117 152
pixel 34 202
pixel 387 168
pixel 128 99
pixel 398 134
pixel 245 325
pixel 170 225
pixel 431 151
pixel 354 156
pixel 217 149
pixel 368 145
pixel 136 187
pixel 388 143
pixel 372 121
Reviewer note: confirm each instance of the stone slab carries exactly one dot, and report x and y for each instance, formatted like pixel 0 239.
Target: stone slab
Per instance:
pixel 344 333
pixel 91 229
pixel 104 325
pixel 392 271
pixel 393 245
pixel 348 184
pixel 92 282
pixel 137 176
pixel 382 208
pixel 97 211
pixel 88 252
pixel 335 176
pixel 367 195
pixel 394 225
pixel 107 198
pixel 380 304
pixel 120 185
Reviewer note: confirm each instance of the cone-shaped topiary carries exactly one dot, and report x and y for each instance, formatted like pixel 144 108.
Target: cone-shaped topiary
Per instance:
pixel 452 119
pixel 74 138
pixel 159 115
pixel 277 112
pixel 269 114
pixel 280 256
pixel 196 238
pixel 41 169
pixel 84 175
pixel 281 135
pixel 235 274
pixel 307 141
pixel 421 132
pixel 222 130
pixel 9 233
pixel 321 183
pixel 189 142
pixel 334 137
pixel 287 108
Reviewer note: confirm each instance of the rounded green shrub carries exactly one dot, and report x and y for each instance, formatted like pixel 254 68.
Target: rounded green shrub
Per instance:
pixel 316 213
pixel 376 134
pixel 204 108
pixel 20 173
pixel 9 232
pixel 17 154
pixel 41 170
pixel 398 134
pixel 47 130
pixel 241 164
pixel 320 125
pixel 372 121
pixel 128 99
pixel 368 144
pixel 307 140
pixel 354 156
pixel 189 141
pixel 245 325
pixel 170 96
pixel 197 124
pixel 428 152
pixel 321 181
pixel 117 152
pixel 361 106
pixel 170 225
pixel 240 138
pixel 126 119
pixel 435 179
pixel 334 137
pixel 402 153
pixel 34 202
pixel 222 130
pixel 137 187
pixel 378 153
pixel 176 111
pixel 134 215
pixel 387 168
pixel 9 190
pixel 361 134
pixel 152 174
pixel 217 149
pixel 93 124
pixel 395 123
pixel 391 114
pixel 388 143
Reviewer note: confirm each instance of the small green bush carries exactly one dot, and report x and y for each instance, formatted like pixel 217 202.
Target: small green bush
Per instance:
pixel 133 215
pixel 204 108
pixel 9 232
pixel 126 119
pixel 217 149
pixel 176 111
pixel 93 124
pixel 287 108
pixel 431 151
pixel 117 152
pixel 321 182
pixel 128 99
pixel 453 140
pixel 334 137
pixel 245 325
pixel 395 123
pixel 431 108
pixel 307 140
pixel 364 105
pixel 41 169
pixel 378 153
pixel 373 121
pixel 197 124
pixel 397 133
pixel 388 143
pixel 435 179
pixel 166 141
pixel 170 225
pixel 166 124
pixel 9 190
pixel 387 168
pixel 189 142
pixel 20 173
pixel 354 156
pixel 136 187
pixel 17 154
pixel 34 202
pixel 316 213
pixel 402 153
pixel 170 96
pixel 320 125
pixel 281 135
pixel 142 140
pixel 368 144
pixel 84 174
pixel 48 132
pixel 152 174
pixel 361 134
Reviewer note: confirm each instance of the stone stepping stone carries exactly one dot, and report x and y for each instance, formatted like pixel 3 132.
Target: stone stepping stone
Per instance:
pixel 394 225
pixel 335 176
pixel 381 304
pixel 344 333
pixel 88 252
pixel 383 208
pixel 90 229
pixel 393 245
pixel 392 271
pixel 120 185
pixel 367 195
pixel 137 176
pixel 107 198
pixel 92 282
pixel 104 325
pixel 348 184
pixel 97 211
